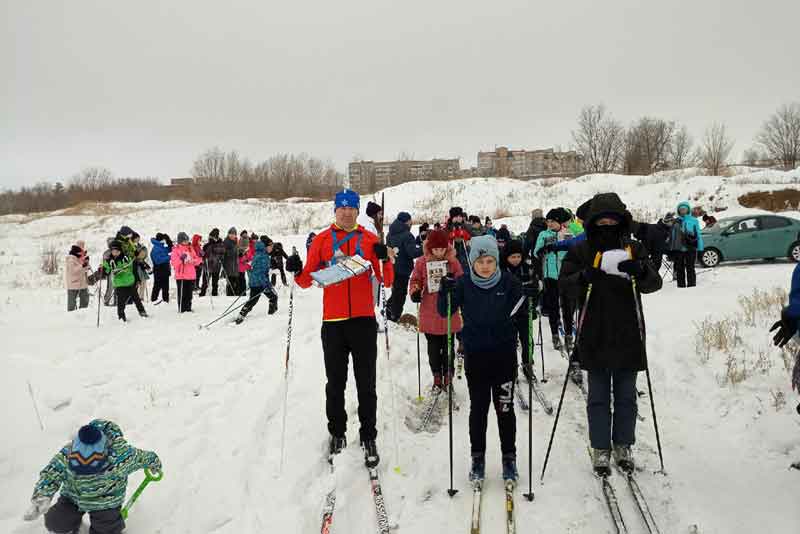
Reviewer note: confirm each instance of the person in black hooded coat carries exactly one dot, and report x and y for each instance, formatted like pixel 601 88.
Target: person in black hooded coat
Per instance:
pixel 611 335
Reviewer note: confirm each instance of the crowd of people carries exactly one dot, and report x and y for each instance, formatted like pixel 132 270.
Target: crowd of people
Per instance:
pixel 584 270
pixel 123 276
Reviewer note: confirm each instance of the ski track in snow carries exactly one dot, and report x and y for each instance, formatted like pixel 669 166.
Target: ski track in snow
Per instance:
pixel 210 403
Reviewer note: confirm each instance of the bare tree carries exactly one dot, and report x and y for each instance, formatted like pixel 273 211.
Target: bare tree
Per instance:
pixel 780 135
pixel 681 150
pixel 754 156
pixel 716 149
pixel 647 144
pixel 600 139
pixel 210 165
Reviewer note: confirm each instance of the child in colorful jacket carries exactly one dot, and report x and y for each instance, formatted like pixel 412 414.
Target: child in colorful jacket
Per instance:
pixel 433 325
pixel 92 474
pixel 184 260
pixel 553 301
pixel 259 281
pixel 120 268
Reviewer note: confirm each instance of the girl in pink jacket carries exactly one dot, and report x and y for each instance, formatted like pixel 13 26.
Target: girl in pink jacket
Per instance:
pixel 184 260
pixel 438 260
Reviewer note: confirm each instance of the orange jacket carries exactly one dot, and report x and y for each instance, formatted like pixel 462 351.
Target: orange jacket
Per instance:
pixel 353 297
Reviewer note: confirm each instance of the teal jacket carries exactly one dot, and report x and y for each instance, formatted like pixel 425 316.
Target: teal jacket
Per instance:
pixel 552 260
pixel 689 225
pixel 101 491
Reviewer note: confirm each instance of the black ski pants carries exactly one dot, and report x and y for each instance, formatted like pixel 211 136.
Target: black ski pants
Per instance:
pixel 160 282
pixel 75 295
pixel 437 354
pixel 65 518
pixel 185 290
pixel 357 336
pixel 684 268
pixel 491 378
pixel 554 302
pixel 214 281
pixel 126 295
pixel 255 296
pixel 521 328
pixel 605 429
pixel 397 301
pixel 274 276
pixel 232 287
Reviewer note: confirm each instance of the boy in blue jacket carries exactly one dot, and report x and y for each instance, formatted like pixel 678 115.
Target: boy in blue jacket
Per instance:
pixel 259 280
pixel 159 254
pixel 487 297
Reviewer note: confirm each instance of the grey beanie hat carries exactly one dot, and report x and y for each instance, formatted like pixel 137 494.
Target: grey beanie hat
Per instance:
pixel 182 237
pixel 232 230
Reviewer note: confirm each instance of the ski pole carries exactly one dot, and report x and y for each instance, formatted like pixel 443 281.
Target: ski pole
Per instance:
pixel 643 337
pixel 541 349
pixel 99 295
pixel 597 259
pixel 149 477
pixel 230 311
pixel 286 369
pixel 529 495
pixel 451 491
pixel 419 365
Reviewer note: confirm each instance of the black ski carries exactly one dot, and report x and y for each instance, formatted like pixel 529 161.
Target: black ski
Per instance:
pixel 427 414
pixel 523 402
pixel 539 394
pixel 610 496
pixel 641 502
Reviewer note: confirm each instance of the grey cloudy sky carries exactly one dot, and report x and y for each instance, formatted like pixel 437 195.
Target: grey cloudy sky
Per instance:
pixel 144 86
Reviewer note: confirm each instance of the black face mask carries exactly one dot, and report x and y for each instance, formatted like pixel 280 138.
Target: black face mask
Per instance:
pixel 606 237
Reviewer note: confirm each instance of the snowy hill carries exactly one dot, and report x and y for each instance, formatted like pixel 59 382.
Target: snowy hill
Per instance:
pixel 210 402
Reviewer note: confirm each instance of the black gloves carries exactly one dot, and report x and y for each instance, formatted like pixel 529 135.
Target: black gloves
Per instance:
pixel 530 290
pixel 448 285
pixel 381 251
pixel 634 268
pixel 786 327
pixel 549 248
pixel 590 275
pixel 294 264
pixel 416 297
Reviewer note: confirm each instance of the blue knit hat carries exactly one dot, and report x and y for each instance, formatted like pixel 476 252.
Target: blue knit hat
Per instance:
pixel 346 198
pixel 403 217
pixel 483 245
pixel 88 455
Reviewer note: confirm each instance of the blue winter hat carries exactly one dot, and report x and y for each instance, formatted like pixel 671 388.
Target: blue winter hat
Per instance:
pixel 403 217
pixel 88 455
pixel 346 198
pixel 483 245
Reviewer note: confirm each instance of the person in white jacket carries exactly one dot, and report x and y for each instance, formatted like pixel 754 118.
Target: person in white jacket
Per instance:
pixel 76 271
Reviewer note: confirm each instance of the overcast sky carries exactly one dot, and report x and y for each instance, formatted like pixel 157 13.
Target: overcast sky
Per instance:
pixel 144 86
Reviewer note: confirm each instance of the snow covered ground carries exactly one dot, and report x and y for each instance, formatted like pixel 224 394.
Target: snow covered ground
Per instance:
pixel 210 402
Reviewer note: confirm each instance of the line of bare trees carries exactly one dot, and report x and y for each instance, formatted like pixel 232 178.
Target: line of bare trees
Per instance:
pixel 220 174
pixel 653 144
pixel 217 176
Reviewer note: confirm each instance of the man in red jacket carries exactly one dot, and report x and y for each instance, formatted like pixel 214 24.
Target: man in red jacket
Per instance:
pixel 348 319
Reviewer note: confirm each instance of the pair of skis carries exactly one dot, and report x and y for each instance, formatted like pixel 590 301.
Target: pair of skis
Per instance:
pixel 477 497
pixel 381 515
pixel 537 392
pixel 610 497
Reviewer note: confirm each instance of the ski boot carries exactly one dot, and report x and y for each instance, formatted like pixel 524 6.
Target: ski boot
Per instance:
pixel 569 344
pixel 335 445
pixel 557 343
pixel 239 320
pixel 510 467
pixel 601 459
pixel 123 319
pixel 371 457
pixel 478 471
pixel 575 373
pixel 143 315
pixel 437 381
pixel 624 457
pixel 273 303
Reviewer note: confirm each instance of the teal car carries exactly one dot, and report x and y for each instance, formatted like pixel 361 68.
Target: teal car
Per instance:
pixel 751 237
